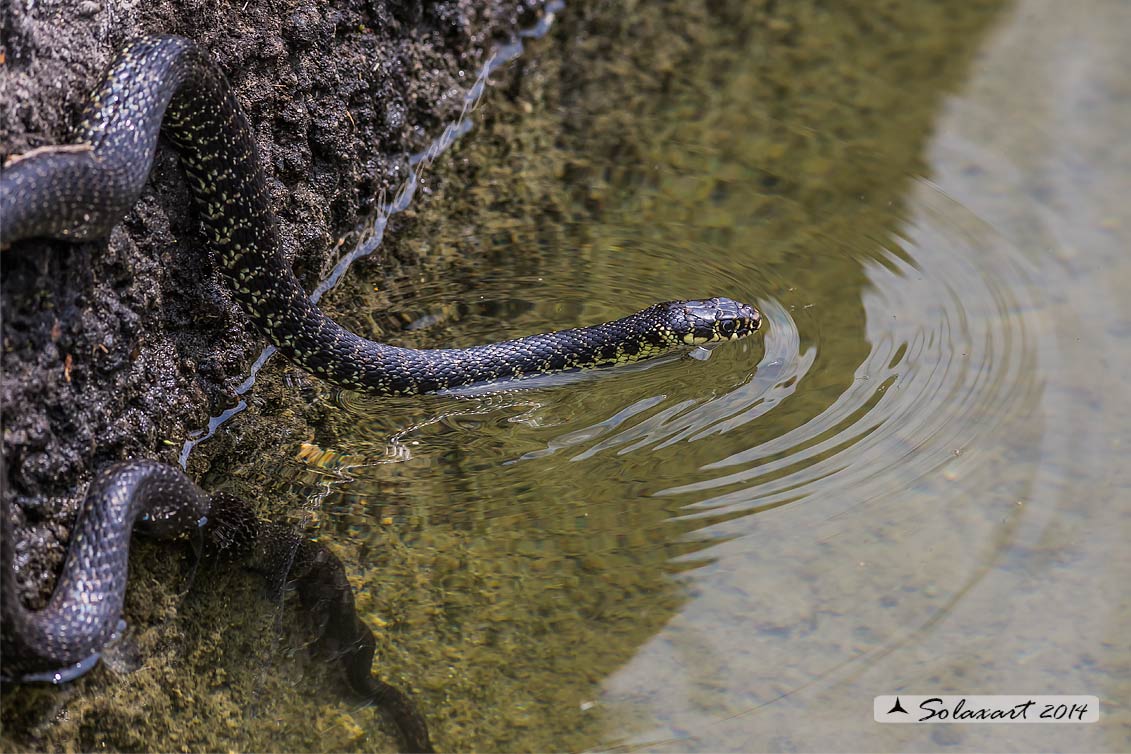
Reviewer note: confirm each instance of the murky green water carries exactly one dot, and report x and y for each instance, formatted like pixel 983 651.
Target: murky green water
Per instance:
pixel 913 482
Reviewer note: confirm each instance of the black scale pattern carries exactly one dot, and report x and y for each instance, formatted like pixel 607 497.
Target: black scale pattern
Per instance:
pixel 85 607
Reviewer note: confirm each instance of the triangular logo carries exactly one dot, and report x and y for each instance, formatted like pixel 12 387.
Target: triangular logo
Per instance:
pixel 897 707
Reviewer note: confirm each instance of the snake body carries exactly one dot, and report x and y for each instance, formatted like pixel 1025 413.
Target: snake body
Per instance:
pixel 166 82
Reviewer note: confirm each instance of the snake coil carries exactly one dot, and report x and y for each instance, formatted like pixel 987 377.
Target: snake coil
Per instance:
pixel 65 639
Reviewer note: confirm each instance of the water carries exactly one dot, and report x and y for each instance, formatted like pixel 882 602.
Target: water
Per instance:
pixel 913 481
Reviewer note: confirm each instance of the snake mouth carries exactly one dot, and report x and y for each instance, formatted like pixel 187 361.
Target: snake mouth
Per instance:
pixel 748 322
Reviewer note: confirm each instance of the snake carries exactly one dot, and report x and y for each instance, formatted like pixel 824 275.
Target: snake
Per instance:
pixel 79 191
pixel 169 83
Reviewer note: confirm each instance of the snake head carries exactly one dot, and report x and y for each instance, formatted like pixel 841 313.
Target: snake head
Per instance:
pixel 715 320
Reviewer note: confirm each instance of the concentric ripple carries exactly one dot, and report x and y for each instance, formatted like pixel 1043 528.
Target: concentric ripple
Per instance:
pixel 774 378
pixel 951 356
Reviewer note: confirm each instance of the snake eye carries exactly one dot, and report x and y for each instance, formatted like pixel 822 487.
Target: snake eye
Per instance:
pixel 728 327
